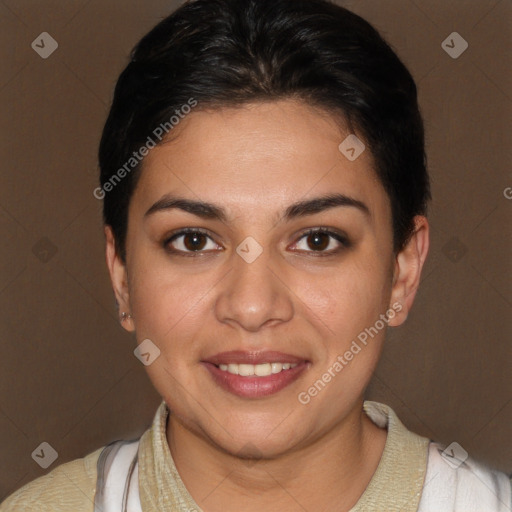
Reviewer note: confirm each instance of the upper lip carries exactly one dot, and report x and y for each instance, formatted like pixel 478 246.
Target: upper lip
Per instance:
pixel 253 357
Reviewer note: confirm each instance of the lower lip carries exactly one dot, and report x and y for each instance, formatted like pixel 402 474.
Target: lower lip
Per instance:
pixel 254 387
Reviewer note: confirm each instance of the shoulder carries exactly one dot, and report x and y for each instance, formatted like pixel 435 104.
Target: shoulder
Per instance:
pixel 455 482
pixel 68 487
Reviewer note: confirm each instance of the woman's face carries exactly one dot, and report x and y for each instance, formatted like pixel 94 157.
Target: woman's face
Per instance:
pixel 253 286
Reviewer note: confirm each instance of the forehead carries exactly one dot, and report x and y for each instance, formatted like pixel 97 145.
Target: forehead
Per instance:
pixel 260 157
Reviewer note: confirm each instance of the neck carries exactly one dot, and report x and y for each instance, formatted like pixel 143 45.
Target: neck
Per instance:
pixel 335 469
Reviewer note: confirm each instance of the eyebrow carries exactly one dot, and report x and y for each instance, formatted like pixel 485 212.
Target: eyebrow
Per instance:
pixel 211 211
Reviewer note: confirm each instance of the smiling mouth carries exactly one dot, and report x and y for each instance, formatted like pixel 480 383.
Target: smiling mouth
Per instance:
pixel 258 370
pixel 254 374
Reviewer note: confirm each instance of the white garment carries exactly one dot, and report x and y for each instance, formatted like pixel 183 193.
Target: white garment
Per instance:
pixel 463 486
pixel 457 487
pixel 117 487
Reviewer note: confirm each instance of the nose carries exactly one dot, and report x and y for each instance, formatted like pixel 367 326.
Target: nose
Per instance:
pixel 254 294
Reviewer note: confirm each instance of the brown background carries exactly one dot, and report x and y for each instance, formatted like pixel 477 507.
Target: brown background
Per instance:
pixel 68 375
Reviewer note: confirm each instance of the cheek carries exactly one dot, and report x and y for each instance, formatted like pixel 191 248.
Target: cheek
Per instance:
pixel 348 299
pixel 168 306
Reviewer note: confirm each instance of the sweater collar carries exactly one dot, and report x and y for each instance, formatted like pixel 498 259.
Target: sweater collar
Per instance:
pixel 395 486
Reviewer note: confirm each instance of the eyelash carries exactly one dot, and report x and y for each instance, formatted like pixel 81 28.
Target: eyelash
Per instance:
pixel 343 240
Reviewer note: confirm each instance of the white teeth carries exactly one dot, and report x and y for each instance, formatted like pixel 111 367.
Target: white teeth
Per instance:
pixel 245 370
pixel 263 370
pixel 232 368
pixel 260 370
pixel 276 367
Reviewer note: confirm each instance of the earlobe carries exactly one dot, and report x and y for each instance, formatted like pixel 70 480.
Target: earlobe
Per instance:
pixel 119 280
pixel 408 266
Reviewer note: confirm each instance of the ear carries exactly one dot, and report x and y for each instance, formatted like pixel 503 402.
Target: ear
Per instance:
pixel 118 278
pixel 407 273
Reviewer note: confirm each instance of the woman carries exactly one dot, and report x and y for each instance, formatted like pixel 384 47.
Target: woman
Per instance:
pixel 265 193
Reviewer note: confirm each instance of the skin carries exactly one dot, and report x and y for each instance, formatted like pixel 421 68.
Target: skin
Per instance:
pixel 254 161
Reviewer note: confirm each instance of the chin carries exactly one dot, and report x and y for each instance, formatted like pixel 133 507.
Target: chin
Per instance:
pixel 252 446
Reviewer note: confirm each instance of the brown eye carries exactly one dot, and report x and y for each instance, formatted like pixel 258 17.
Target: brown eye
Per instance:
pixel 194 241
pixel 318 241
pixel 323 242
pixel 189 242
